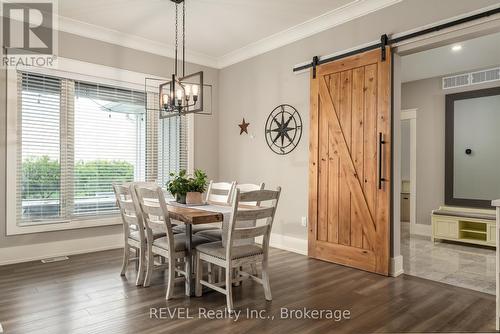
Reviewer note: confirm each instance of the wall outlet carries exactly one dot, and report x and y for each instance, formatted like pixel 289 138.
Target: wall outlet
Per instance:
pixel 304 221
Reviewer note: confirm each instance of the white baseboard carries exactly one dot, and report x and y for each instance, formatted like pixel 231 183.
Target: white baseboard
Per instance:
pixel 421 229
pixel 287 243
pixel 396 267
pixel 34 252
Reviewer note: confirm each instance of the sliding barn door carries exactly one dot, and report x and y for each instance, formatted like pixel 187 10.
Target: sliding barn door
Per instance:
pixel 350 148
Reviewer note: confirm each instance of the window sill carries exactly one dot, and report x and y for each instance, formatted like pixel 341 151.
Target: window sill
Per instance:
pixel 14 229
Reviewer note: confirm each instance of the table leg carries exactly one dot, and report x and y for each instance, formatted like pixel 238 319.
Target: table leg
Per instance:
pixel 189 261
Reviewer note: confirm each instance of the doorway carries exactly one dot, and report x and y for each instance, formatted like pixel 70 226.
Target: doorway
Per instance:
pixel 463 254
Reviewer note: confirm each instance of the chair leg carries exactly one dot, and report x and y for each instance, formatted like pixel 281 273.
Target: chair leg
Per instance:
pixel 253 266
pixel 149 265
pixel 229 290
pixel 171 278
pixel 219 274
pixel 199 275
pixel 142 266
pixel 126 257
pixel 137 261
pixel 265 282
pixel 210 273
pixel 236 274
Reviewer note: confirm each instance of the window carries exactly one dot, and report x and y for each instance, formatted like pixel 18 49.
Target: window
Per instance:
pixel 39 164
pixel 108 145
pixel 77 138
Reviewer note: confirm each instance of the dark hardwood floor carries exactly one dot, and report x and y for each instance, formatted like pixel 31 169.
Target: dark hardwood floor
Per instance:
pixel 87 295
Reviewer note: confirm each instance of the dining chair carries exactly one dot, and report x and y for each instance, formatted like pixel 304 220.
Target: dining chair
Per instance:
pixel 231 256
pixel 133 230
pixel 221 233
pixel 171 247
pixel 220 193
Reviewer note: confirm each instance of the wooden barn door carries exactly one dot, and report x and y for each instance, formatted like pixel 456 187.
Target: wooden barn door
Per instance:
pixel 350 158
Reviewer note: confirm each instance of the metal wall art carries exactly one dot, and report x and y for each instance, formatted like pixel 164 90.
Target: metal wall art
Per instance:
pixel 283 129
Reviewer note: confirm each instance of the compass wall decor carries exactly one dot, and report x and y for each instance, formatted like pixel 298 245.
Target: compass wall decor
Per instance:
pixel 283 129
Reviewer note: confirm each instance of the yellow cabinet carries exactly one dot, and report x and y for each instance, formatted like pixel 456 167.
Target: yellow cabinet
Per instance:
pixel 474 226
pixel 445 229
pixel 492 234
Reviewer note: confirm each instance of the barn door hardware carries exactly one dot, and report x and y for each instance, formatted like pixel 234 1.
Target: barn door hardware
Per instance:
pixel 315 64
pixel 384 40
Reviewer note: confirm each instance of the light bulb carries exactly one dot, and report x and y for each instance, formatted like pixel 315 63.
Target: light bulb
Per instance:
pixel 188 90
pixel 179 94
pixel 165 98
pixel 195 90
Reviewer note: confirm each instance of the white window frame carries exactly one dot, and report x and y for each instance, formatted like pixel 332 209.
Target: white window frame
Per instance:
pixel 74 70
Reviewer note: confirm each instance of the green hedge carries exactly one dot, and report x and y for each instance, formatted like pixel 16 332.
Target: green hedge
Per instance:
pixel 41 177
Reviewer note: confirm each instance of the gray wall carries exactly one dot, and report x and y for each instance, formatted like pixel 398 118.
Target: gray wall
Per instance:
pixel 429 98
pixel 252 88
pixel 84 49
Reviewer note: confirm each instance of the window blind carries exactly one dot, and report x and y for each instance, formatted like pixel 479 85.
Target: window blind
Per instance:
pixel 39 148
pixel 109 138
pixel 78 138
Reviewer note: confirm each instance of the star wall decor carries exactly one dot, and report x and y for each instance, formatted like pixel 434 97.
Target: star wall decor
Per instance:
pixel 243 127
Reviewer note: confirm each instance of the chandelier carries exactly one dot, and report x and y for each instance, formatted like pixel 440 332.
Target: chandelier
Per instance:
pixel 183 94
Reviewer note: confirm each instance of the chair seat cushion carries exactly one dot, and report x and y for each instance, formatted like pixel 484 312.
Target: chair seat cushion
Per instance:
pixel 214 235
pixel 444 212
pixel 180 242
pixel 217 250
pixel 196 228
pixel 158 232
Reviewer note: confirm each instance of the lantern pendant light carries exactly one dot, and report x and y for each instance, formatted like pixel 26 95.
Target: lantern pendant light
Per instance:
pixel 183 94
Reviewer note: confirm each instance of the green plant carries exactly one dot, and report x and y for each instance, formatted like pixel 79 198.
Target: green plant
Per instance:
pixel 178 186
pixel 181 183
pixel 98 176
pixel 41 177
pixel 198 183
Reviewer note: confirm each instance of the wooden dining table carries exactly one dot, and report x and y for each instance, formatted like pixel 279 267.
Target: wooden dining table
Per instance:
pixel 189 216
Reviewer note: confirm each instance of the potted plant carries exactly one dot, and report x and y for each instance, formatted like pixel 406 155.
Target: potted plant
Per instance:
pixel 178 186
pixel 188 190
pixel 196 187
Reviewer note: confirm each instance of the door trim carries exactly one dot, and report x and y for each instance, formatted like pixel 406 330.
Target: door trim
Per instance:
pixel 411 115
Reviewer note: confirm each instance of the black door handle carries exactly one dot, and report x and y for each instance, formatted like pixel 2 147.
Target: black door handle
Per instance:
pixel 380 143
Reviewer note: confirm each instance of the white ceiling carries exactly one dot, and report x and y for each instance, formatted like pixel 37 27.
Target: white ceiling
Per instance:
pixel 219 32
pixel 478 53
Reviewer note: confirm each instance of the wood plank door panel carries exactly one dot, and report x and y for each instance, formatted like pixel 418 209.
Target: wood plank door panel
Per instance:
pixel 348 211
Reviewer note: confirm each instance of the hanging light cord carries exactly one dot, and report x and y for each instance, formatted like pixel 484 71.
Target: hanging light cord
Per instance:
pixel 176 33
pixel 183 38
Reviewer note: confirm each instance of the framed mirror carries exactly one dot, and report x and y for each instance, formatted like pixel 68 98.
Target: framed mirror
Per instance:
pixel 472 153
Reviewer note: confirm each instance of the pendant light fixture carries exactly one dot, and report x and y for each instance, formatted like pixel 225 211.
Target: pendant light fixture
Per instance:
pixel 184 93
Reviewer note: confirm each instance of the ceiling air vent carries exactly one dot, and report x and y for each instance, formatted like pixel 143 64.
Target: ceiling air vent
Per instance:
pixel 472 78
pixel 485 76
pixel 456 81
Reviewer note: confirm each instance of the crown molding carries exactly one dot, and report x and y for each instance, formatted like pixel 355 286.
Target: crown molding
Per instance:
pixel 130 41
pixel 338 16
